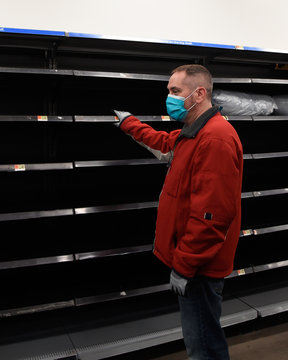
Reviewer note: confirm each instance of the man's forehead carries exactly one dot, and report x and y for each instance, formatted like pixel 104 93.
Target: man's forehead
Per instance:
pixel 178 80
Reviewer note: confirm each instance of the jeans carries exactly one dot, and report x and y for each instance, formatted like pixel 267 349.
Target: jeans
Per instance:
pixel 200 315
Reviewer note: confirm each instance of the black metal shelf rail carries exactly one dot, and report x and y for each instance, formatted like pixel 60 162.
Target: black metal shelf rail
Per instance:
pixel 134 76
pixel 111 118
pixel 34 118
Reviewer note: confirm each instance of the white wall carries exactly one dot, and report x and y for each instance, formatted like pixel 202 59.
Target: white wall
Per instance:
pixel 253 23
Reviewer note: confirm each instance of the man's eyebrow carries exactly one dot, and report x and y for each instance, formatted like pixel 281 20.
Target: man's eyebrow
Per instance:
pixel 174 88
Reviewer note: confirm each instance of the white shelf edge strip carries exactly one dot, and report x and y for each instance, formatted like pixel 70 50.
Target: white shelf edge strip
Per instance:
pixel 35 262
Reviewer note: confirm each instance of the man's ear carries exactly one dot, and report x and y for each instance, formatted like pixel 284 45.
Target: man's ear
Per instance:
pixel 201 94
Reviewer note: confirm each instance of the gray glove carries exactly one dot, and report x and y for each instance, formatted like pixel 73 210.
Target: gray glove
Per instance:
pixel 178 284
pixel 122 115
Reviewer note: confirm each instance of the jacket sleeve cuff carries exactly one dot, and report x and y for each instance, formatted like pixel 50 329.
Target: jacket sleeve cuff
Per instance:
pixel 124 123
pixel 185 274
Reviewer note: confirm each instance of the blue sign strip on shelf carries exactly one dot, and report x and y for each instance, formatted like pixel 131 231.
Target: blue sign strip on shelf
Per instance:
pixel 177 42
pixel 96 36
pixel 32 31
pixel 125 38
pixel 161 41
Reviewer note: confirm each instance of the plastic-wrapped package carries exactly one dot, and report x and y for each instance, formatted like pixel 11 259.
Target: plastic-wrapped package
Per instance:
pixel 282 104
pixel 239 103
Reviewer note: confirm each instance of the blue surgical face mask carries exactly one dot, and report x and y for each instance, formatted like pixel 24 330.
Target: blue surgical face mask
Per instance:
pixel 175 106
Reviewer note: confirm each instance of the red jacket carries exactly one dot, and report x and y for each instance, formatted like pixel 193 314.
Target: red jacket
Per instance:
pixel 199 212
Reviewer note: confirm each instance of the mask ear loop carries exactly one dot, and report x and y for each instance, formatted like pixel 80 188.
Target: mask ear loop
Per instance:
pixel 191 94
pixel 191 107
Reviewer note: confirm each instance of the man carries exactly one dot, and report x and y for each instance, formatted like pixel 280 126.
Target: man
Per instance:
pixel 199 212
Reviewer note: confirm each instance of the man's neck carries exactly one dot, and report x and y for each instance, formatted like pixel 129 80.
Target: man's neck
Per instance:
pixel 199 110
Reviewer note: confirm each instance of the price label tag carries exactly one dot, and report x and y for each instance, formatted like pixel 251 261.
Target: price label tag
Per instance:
pixel 247 232
pixel 241 272
pixel 42 118
pixel 19 167
pixel 165 118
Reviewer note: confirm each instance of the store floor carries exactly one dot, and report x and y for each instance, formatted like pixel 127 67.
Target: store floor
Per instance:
pixel 266 344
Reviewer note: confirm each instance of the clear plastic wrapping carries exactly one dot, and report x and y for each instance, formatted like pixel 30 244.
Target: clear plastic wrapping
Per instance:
pixel 239 103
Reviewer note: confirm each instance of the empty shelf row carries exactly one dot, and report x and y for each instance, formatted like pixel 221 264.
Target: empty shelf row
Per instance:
pixel 134 76
pixel 102 208
pixel 111 118
pixel 52 141
pixel 78 337
pixel 117 162
pixel 83 283
pixel 53 240
pixel 64 187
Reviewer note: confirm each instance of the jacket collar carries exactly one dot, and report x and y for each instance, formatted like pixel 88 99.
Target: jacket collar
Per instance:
pixel 190 131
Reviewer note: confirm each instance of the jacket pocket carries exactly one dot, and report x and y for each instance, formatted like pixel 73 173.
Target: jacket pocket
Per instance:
pixel 172 182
